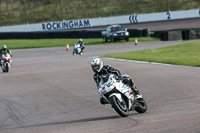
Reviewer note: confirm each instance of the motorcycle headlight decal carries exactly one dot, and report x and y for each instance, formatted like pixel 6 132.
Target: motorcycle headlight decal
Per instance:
pixel 109 84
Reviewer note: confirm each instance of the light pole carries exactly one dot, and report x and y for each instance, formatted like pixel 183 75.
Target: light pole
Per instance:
pixel 98 8
pixel 168 5
pixel 63 10
pixel 133 7
pixel 24 1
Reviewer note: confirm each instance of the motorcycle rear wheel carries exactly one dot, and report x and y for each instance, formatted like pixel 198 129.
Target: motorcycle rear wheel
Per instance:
pixel 81 53
pixel 142 106
pixel 120 107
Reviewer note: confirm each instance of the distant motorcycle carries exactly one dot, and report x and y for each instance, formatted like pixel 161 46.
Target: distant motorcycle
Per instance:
pixel 120 96
pixel 6 60
pixel 77 49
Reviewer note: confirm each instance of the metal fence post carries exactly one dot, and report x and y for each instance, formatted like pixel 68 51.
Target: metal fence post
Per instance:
pixel 168 5
pixel 133 7
pixel 24 2
pixel 63 10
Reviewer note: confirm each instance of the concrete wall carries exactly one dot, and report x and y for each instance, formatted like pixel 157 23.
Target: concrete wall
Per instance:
pixel 73 24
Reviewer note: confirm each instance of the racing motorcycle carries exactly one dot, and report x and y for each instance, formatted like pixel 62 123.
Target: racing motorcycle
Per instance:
pixel 120 96
pixel 77 49
pixel 5 61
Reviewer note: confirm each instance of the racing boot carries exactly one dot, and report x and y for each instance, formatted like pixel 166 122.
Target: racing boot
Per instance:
pixel 103 101
pixel 136 91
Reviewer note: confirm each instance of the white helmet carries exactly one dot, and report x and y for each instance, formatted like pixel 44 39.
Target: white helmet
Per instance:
pixel 97 64
pixel 4 47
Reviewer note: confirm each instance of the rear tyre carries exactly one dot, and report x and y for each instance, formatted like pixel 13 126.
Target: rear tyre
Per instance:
pixel 127 39
pixel 120 107
pixel 112 39
pixel 142 106
pixel 104 39
pixel 81 53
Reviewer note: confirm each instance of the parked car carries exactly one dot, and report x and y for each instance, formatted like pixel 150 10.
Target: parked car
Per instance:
pixel 115 32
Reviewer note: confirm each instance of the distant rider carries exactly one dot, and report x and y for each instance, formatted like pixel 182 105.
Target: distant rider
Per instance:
pixel 4 49
pixel 81 44
pixel 100 69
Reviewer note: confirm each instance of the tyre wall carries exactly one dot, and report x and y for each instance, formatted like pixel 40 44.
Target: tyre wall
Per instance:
pixel 66 34
pixel 177 34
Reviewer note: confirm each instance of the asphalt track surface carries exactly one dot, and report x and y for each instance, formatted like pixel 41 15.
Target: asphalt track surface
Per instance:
pixel 50 91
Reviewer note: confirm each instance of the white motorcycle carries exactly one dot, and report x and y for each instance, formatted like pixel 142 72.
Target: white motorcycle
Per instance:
pixel 120 96
pixel 77 49
pixel 6 61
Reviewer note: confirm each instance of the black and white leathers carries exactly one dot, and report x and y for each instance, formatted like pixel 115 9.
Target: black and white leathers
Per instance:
pixel 107 69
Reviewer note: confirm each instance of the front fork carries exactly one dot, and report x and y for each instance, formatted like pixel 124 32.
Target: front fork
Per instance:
pixel 2 62
pixel 114 94
pixel 105 98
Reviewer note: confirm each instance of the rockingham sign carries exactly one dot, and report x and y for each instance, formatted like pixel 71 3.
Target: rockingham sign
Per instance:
pixel 84 23
pixel 66 25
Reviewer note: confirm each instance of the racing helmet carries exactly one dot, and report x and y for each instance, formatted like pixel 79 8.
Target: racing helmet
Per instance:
pixel 4 47
pixel 97 64
pixel 80 40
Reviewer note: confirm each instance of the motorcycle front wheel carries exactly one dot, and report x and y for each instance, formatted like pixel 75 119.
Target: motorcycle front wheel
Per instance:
pixel 120 107
pixel 7 68
pixel 73 53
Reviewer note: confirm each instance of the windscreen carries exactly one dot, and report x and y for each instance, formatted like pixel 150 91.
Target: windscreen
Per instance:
pixel 105 78
pixel 117 29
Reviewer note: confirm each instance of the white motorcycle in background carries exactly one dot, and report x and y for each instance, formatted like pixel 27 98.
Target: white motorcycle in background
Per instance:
pixel 77 49
pixel 6 60
pixel 120 96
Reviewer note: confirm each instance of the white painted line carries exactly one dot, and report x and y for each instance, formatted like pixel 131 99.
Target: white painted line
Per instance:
pixel 95 56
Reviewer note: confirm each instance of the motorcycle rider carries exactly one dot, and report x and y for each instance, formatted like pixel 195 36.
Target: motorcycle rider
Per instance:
pixel 100 69
pixel 81 44
pixel 4 49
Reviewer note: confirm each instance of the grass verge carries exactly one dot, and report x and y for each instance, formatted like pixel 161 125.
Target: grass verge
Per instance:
pixel 41 43
pixel 187 54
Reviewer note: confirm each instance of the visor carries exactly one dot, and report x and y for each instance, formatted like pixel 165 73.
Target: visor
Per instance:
pixel 95 67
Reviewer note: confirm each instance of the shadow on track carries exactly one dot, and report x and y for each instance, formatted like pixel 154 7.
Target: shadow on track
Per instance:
pixel 68 122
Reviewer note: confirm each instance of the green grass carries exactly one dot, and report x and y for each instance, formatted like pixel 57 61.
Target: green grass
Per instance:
pixel 187 54
pixel 41 43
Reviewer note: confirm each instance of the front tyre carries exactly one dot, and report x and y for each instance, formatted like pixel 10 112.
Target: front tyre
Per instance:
pixel 73 53
pixel 142 106
pixel 7 68
pixel 120 107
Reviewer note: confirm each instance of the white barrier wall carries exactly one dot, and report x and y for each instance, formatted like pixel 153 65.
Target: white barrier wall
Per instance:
pixel 72 24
